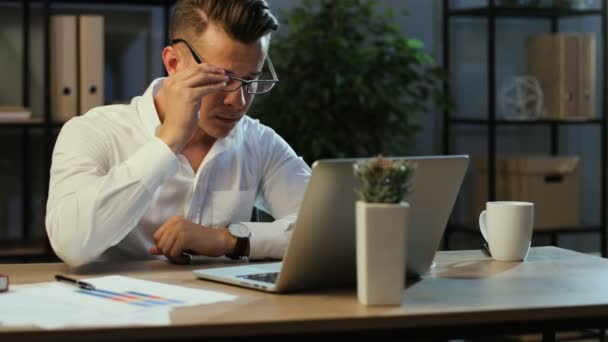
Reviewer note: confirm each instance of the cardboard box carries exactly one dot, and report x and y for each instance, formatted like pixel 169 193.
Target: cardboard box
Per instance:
pixel 551 183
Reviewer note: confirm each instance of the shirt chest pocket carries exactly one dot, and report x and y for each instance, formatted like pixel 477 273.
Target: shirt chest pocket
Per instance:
pixel 226 207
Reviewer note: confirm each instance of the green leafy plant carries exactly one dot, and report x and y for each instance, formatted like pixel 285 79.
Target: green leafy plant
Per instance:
pixel 381 180
pixel 351 84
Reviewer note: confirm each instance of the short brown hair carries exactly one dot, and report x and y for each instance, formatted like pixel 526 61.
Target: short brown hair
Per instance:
pixel 244 20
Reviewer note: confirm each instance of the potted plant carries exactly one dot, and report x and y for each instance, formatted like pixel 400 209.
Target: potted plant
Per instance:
pixel 351 83
pixel 382 216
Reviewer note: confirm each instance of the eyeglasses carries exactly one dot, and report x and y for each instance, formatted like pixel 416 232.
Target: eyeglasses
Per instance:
pixel 234 83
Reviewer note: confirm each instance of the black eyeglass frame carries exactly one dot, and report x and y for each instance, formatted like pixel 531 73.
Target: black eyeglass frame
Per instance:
pixel 244 83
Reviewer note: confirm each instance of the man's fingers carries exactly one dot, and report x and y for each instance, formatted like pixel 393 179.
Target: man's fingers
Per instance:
pixel 201 80
pixel 206 67
pixel 155 250
pixel 201 84
pixel 167 241
pixel 160 243
pixel 198 69
pixel 177 249
pixel 213 87
pixel 201 70
pixel 203 90
pixel 159 232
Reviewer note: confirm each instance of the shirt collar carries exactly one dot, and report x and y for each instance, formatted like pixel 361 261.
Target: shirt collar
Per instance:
pixel 149 116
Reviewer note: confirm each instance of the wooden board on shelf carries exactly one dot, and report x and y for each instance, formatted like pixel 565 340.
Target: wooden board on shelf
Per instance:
pixel 14 113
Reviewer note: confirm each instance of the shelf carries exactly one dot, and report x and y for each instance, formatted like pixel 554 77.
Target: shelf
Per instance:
pixel 35 250
pixel 34 16
pixel 36 122
pixel 114 2
pixel 472 228
pixel 473 121
pixel 523 12
pixel 490 119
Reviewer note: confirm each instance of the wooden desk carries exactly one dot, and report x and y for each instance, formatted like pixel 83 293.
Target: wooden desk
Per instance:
pixel 465 294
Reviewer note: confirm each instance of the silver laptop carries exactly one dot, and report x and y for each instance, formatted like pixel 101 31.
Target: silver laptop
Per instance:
pixel 321 251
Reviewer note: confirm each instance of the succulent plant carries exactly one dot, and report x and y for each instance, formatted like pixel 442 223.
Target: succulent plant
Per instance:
pixel 382 180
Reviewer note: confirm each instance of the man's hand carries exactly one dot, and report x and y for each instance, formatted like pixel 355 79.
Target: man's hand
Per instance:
pixel 180 101
pixel 179 235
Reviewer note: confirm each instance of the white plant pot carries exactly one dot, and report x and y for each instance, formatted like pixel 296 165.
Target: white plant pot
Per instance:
pixel 381 252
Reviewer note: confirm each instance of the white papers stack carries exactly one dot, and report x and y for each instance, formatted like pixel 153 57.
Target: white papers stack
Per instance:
pixel 117 300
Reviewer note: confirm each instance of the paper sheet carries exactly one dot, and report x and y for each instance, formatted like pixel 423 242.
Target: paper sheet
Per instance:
pixel 117 300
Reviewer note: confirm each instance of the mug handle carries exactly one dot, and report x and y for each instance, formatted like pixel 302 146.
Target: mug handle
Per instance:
pixel 482 225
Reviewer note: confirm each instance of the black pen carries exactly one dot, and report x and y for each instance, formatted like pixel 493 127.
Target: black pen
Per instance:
pixel 81 284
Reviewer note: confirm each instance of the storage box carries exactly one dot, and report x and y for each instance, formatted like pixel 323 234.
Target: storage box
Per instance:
pixel 551 183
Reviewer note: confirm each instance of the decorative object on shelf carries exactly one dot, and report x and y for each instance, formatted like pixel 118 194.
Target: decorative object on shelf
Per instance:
pixel 521 98
pixel 348 66
pixel 382 216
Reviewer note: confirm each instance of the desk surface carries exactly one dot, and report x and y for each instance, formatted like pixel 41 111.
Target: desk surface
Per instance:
pixel 553 287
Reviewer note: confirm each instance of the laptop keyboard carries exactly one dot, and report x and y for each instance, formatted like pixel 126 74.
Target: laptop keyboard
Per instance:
pixel 270 277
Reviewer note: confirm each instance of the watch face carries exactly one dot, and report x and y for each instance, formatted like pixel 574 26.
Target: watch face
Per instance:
pixel 239 230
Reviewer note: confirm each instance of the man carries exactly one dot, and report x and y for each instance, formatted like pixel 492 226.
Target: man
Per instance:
pixel 179 169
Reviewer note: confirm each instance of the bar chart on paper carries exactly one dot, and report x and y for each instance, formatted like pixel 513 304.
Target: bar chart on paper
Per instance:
pixel 111 290
pixel 133 298
pixel 116 300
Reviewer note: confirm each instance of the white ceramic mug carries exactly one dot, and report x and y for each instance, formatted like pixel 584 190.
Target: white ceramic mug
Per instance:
pixel 507 228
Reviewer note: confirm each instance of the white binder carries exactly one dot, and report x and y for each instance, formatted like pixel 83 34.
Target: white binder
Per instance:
pixel 63 60
pixel 91 61
pixel 586 72
pixel 564 64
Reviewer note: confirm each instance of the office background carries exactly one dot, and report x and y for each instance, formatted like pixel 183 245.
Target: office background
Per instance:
pixel 133 59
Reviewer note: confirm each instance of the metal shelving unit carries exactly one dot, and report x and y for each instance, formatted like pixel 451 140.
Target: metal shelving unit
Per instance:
pixel 491 13
pixel 43 122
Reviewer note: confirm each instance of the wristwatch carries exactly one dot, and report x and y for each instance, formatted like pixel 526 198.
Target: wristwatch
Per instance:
pixel 241 233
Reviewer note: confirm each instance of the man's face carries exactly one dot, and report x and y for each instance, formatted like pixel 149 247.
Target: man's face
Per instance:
pixel 221 111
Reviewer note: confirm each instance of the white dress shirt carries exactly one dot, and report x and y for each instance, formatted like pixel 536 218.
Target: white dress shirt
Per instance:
pixel 114 183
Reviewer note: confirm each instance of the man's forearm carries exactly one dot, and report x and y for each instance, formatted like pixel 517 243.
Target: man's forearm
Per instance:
pixel 87 214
